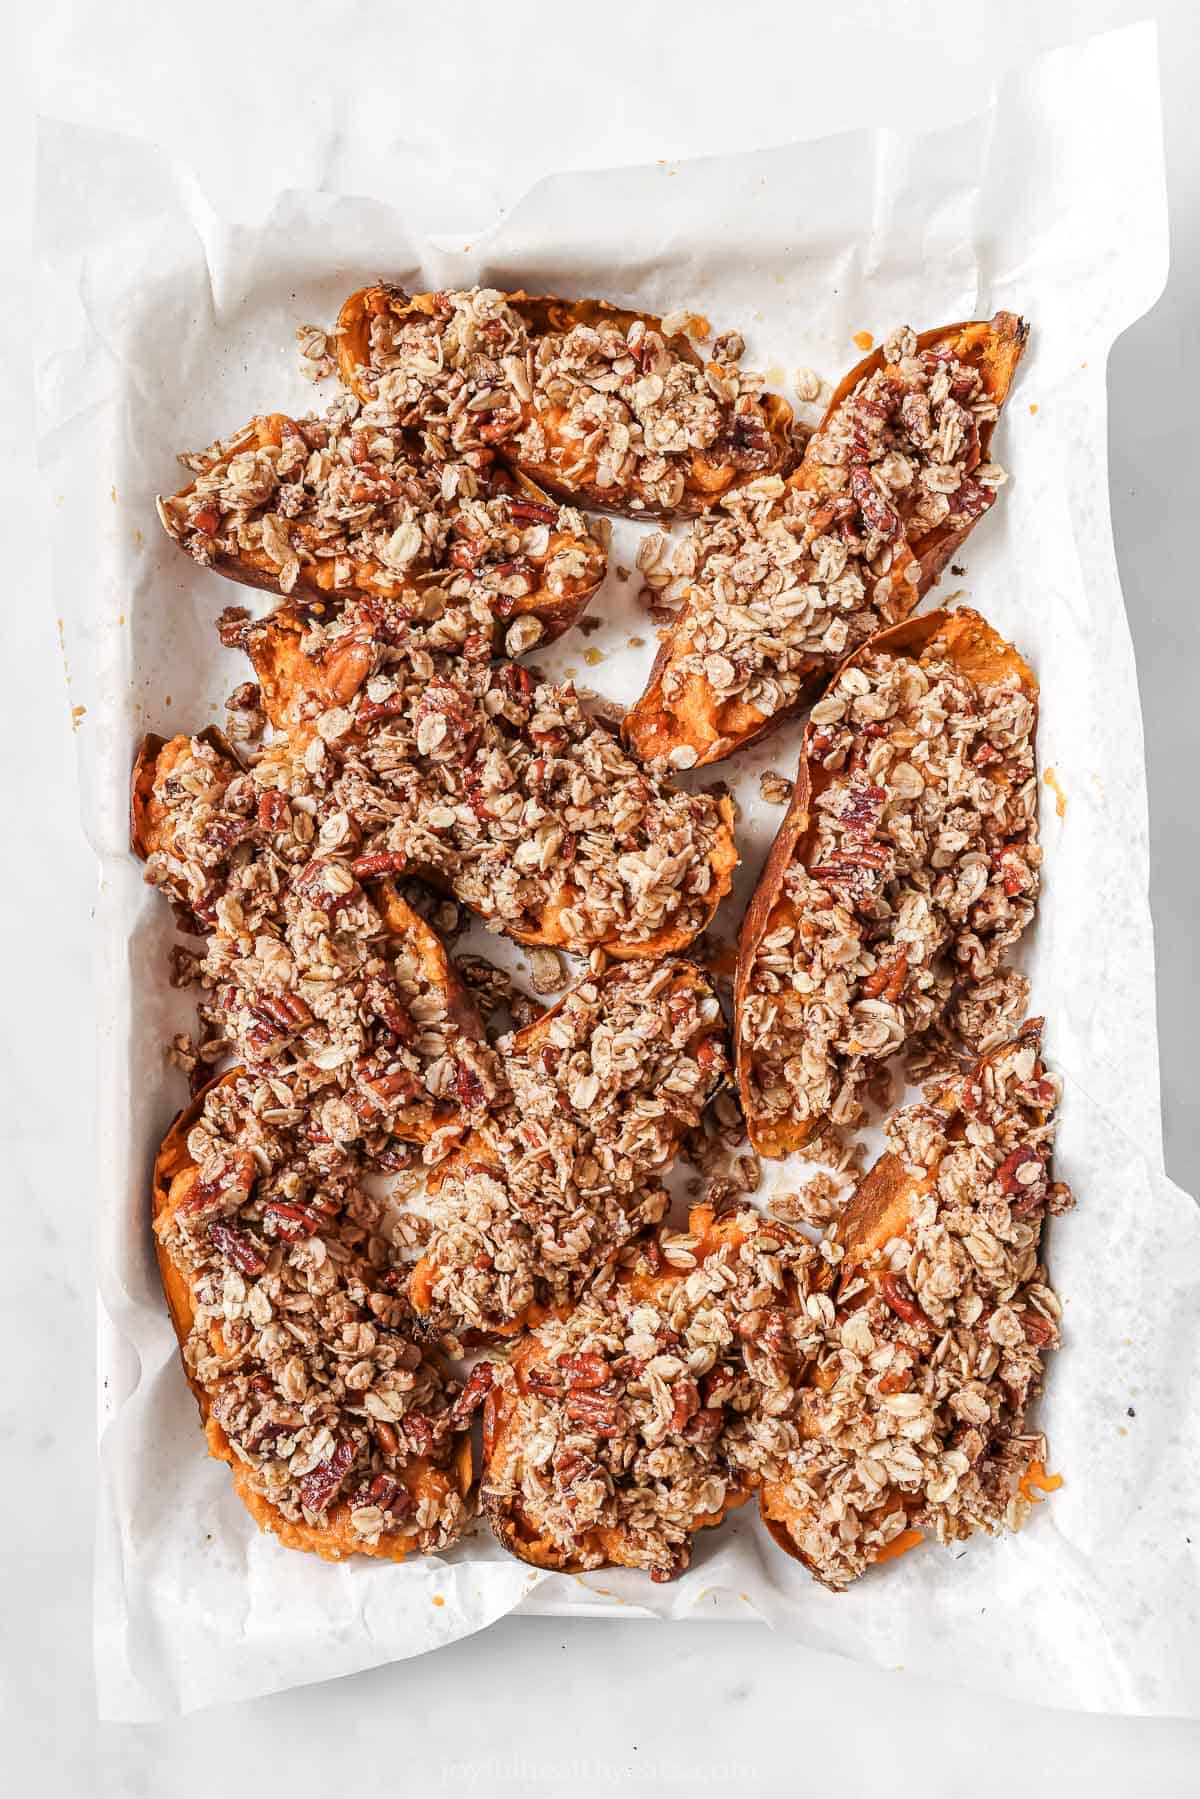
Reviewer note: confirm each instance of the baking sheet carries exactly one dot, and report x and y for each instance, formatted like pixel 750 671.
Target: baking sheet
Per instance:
pixel 164 326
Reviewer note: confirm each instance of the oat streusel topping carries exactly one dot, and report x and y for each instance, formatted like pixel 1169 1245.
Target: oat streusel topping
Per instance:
pixel 607 407
pixel 785 577
pixel 916 1416
pixel 600 1094
pixel 923 868
pixel 657 1402
pixel 298 1334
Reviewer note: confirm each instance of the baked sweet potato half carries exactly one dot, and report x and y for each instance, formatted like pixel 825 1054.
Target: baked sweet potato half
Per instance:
pixel 601 1090
pixel 344 994
pixel 914 1419
pixel 788 577
pixel 906 863
pixel 614 409
pixel 307 662
pixel 344 1439
pixel 619 1429
pixel 211 763
pixel 513 795
pixel 329 509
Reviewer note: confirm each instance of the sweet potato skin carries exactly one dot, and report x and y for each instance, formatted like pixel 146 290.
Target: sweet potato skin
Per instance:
pixel 174 1172
pixel 968 641
pixel 715 729
pixel 544 315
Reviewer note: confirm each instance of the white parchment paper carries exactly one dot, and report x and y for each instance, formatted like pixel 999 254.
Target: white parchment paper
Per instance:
pixel 164 326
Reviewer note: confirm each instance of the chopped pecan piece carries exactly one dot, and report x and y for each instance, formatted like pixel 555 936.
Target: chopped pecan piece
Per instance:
pixel 379 862
pixel 237 1247
pixel 584 1371
pixel 899 1296
pixel 600 1414
pixel 476 1388
pixel 319 1486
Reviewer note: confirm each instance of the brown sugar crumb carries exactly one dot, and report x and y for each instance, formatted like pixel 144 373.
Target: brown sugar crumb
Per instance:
pixel 775 788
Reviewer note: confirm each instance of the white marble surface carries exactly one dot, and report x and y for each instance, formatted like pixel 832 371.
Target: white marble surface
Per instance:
pixel 533 1704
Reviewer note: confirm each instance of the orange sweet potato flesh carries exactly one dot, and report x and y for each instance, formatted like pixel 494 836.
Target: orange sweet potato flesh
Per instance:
pixel 476 1152
pixel 295 685
pixel 706 478
pixel 880 1210
pixel 778 1517
pixel 145 814
pixel 149 823
pixel 696 717
pixel 606 1547
pixel 175 1173
pixel 368 577
pixel 962 638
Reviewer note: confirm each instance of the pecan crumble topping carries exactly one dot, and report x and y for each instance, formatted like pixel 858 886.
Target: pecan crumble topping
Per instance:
pixel 296 1337
pixel 783 578
pixel 589 401
pixel 653 1406
pixel 921 866
pixel 936 1339
pixel 600 1093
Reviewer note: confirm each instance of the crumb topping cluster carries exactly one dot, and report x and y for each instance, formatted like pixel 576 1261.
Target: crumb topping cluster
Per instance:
pixel 611 408
pixel 600 1095
pixel 920 868
pixel 935 1342
pixel 785 577
pixel 657 1402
